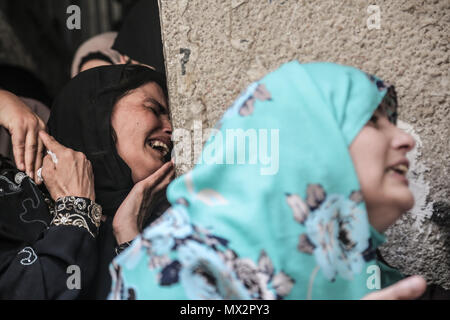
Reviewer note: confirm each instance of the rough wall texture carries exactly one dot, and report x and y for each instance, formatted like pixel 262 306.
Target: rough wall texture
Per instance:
pixel 215 48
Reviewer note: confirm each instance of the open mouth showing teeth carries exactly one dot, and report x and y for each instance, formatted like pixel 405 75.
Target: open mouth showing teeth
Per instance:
pixel 400 169
pixel 160 147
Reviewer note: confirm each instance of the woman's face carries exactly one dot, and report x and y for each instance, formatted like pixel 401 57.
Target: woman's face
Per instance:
pixel 143 129
pixel 379 155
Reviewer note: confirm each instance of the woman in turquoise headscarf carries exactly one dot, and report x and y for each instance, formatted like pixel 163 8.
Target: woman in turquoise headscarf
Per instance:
pixel 295 210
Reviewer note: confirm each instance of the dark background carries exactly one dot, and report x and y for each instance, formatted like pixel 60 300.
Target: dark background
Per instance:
pixel 40 27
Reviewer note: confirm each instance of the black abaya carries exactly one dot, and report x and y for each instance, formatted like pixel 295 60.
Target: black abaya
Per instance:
pixel 36 250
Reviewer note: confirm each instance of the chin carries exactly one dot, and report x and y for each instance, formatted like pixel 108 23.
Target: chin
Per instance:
pixel 405 200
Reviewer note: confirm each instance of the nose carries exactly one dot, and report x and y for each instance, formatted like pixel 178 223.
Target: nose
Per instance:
pixel 403 140
pixel 167 126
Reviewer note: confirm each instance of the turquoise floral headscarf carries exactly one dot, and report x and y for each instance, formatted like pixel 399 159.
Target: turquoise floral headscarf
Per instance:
pixel 278 214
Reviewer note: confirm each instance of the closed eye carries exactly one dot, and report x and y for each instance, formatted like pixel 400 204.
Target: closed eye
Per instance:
pixel 153 110
pixel 157 108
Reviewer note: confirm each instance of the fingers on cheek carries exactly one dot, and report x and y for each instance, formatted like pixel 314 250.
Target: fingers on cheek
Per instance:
pixel 141 187
pixel 169 178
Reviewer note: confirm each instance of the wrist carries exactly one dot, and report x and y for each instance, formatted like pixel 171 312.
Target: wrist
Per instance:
pixel 122 246
pixel 79 212
pixel 59 196
pixel 8 104
pixel 125 234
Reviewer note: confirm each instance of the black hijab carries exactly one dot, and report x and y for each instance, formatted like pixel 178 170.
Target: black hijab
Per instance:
pixel 81 120
pixel 140 35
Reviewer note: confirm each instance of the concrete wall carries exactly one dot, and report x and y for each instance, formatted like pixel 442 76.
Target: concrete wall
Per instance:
pixel 215 48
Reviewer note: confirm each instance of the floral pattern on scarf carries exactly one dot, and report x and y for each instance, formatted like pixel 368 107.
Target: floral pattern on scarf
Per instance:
pixel 205 265
pixel 244 105
pixel 333 233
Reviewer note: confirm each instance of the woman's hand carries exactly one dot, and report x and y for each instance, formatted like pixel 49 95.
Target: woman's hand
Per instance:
pixel 407 289
pixel 129 217
pixel 72 173
pixel 124 59
pixel 23 125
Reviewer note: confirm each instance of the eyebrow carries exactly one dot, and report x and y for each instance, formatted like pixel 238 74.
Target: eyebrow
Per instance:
pixel 160 108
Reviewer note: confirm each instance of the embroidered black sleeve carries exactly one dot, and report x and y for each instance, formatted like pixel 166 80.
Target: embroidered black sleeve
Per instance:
pixel 35 252
pixel 79 212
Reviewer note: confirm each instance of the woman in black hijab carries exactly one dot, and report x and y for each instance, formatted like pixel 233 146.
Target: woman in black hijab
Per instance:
pixel 140 36
pixel 134 166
